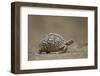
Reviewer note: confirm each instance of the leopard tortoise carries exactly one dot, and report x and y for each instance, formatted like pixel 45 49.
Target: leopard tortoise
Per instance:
pixel 53 42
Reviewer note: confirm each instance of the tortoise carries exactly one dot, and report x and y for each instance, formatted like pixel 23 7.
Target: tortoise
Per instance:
pixel 53 42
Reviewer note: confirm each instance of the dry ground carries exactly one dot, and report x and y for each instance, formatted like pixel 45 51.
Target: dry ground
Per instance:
pixel 75 52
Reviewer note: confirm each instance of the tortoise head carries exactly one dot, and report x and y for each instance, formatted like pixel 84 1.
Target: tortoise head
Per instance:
pixel 69 42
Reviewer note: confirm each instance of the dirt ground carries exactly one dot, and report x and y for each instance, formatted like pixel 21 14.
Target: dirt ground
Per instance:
pixel 74 52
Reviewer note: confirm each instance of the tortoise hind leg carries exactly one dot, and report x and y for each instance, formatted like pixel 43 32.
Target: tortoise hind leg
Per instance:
pixel 47 52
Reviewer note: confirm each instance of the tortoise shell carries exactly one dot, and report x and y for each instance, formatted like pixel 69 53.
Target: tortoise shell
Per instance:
pixel 51 43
